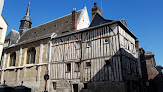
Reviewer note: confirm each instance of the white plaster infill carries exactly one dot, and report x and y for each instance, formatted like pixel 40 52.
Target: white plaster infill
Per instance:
pixel 19 67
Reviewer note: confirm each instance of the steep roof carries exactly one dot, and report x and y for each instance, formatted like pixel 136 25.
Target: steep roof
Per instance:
pixel 98 20
pixel 57 26
pixel 13 36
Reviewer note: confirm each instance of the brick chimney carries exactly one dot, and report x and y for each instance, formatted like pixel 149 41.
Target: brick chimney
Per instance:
pixel 137 44
pixel 149 52
pixel 74 20
pixel 95 10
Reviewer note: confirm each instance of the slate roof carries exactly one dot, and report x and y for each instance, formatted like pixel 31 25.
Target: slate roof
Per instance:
pixel 57 26
pixel 13 36
pixel 98 20
pixel 74 32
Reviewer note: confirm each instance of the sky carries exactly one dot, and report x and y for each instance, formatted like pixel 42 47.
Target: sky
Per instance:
pixel 144 17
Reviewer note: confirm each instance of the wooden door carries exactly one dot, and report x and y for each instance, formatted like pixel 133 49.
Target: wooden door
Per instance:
pixel 75 87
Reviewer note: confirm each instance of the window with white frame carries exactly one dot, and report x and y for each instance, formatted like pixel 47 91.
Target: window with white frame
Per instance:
pixel 88 44
pixel 106 40
pixel 78 45
pixel 77 66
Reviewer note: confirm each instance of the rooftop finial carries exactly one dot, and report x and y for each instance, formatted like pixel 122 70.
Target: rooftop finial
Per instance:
pixel 28 10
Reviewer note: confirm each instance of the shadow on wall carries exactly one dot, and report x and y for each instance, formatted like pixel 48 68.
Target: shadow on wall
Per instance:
pixel 119 73
pixel 156 84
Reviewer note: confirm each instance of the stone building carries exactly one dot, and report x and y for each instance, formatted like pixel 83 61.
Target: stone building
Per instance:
pixel 26 54
pixel 79 56
pixel 3 28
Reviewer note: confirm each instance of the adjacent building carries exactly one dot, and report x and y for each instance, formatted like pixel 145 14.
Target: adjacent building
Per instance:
pixel 151 65
pixel 79 56
pixel 3 28
pixel 26 52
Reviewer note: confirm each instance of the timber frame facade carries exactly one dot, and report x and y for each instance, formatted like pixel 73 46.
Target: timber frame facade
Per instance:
pixel 106 55
pixel 79 56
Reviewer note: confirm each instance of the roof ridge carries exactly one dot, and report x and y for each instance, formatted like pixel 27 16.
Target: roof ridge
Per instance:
pixel 53 20
pixel 14 30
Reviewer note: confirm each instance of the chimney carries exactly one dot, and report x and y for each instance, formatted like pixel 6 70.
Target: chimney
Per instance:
pixel 149 52
pixel 95 10
pixel 74 20
pixel 137 44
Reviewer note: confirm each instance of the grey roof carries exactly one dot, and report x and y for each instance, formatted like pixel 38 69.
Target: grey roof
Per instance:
pixel 13 36
pixel 57 26
pixel 74 32
pixel 26 18
pixel 98 20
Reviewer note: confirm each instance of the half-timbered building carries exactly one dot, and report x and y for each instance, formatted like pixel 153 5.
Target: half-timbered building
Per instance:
pixel 79 56
pixel 100 58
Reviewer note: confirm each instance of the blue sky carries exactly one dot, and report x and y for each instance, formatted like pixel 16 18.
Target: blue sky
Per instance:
pixel 144 17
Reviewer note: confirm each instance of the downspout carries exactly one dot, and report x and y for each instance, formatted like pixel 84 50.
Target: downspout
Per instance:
pixel 48 64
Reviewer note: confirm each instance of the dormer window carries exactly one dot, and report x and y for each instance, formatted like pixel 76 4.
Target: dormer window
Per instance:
pixel 106 40
pixel 88 44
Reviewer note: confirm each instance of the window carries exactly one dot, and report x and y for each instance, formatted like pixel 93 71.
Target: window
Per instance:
pixel 78 45
pixel 77 66
pixel 31 53
pixel 54 85
pixel 106 40
pixel 128 45
pixel 107 62
pixel 88 44
pixel 128 66
pixel 68 67
pixel 88 64
pixel 12 59
pixel 135 67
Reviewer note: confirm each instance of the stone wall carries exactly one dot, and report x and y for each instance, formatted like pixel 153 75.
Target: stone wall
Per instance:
pixel 32 75
pixel 29 76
